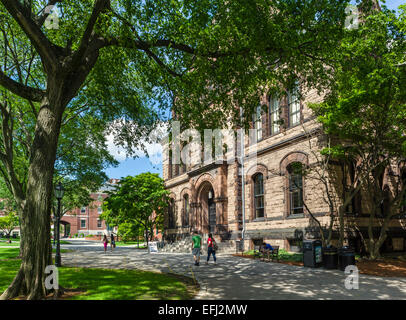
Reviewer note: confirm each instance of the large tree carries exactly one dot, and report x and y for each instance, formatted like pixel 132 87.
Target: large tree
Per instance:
pixel 114 58
pixel 139 201
pixel 365 114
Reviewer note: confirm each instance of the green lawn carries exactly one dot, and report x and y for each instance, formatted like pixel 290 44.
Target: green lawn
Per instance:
pixel 9 253
pixel 12 253
pixel 104 284
pixel 129 243
pixel 14 242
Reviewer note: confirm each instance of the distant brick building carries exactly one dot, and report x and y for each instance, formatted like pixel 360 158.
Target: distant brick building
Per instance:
pixel 86 220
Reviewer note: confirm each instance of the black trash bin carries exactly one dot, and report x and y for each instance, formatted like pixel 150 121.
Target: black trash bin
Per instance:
pixel 312 253
pixel 330 257
pixel 346 257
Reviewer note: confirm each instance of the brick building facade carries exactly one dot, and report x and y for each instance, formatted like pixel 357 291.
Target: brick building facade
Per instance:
pixel 86 220
pixel 208 197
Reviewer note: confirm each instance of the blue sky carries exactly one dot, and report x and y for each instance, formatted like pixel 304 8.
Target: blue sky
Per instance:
pixel 394 4
pixel 133 167
pixel 143 164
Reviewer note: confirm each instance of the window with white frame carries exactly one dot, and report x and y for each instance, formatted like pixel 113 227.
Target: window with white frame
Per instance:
pixel 259 195
pixel 258 123
pixel 274 114
pixel 294 106
pixel 99 223
pixel 99 210
pixel 83 223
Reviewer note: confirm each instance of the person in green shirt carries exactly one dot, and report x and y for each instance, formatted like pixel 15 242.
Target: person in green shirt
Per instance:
pixel 196 245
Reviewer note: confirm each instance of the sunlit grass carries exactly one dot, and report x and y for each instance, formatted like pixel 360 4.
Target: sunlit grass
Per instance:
pixel 129 243
pixel 12 253
pixel 16 243
pixel 12 244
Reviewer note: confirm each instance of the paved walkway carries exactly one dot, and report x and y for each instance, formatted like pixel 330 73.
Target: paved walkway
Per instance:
pixel 239 278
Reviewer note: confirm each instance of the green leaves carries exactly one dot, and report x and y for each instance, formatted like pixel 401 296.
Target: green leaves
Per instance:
pixel 9 222
pixel 141 200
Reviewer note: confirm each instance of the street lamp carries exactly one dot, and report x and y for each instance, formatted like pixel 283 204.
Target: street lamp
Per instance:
pixel 59 191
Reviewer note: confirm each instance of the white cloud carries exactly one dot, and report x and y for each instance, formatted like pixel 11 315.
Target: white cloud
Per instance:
pixel 153 149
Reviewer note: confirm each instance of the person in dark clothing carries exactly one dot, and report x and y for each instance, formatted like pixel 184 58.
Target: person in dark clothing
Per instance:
pixel 113 242
pixel 210 248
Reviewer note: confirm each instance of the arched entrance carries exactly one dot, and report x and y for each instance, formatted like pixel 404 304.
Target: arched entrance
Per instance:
pixel 208 212
pixel 66 229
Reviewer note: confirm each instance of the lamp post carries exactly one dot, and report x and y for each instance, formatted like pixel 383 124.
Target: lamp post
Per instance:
pixel 59 191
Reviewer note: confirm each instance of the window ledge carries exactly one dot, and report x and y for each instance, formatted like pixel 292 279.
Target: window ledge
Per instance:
pixel 295 216
pixel 258 219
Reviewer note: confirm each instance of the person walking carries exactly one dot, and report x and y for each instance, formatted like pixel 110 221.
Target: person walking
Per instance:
pixel 211 246
pixel 105 242
pixel 196 245
pixel 112 242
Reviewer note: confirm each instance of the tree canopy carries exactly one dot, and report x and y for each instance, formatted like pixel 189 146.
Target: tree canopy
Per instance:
pixel 139 201
pixel 365 114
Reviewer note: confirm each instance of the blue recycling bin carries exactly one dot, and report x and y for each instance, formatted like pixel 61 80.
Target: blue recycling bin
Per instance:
pixel 312 253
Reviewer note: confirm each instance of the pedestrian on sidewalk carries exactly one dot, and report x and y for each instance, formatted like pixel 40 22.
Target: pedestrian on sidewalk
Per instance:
pixel 113 242
pixel 211 248
pixel 196 245
pixel 105 242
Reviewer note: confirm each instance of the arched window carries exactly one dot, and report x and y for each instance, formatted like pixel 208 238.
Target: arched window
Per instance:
pixel 259 195
pixel 295 188
pixel 186 210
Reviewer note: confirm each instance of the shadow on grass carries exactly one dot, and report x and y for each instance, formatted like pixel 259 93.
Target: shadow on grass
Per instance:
pixel 114 284
pixel 110 284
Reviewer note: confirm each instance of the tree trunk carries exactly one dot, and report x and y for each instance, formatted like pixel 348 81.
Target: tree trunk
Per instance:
pixel 35 243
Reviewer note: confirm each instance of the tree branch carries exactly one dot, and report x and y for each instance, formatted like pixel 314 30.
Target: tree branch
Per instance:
pixel 42 18
pixel 98 7
pixel 21 90
pixel 41 43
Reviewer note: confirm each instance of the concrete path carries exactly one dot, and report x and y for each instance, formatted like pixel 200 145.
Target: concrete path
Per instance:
pixel 239 278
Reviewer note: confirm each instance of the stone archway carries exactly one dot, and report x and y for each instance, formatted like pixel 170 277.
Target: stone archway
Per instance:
pixel 207 208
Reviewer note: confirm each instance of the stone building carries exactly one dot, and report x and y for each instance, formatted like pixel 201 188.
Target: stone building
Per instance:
pixel 208 197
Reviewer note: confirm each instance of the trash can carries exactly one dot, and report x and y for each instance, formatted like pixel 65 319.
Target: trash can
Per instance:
pixel 330 257
pixel 346 257
pixel 312 253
